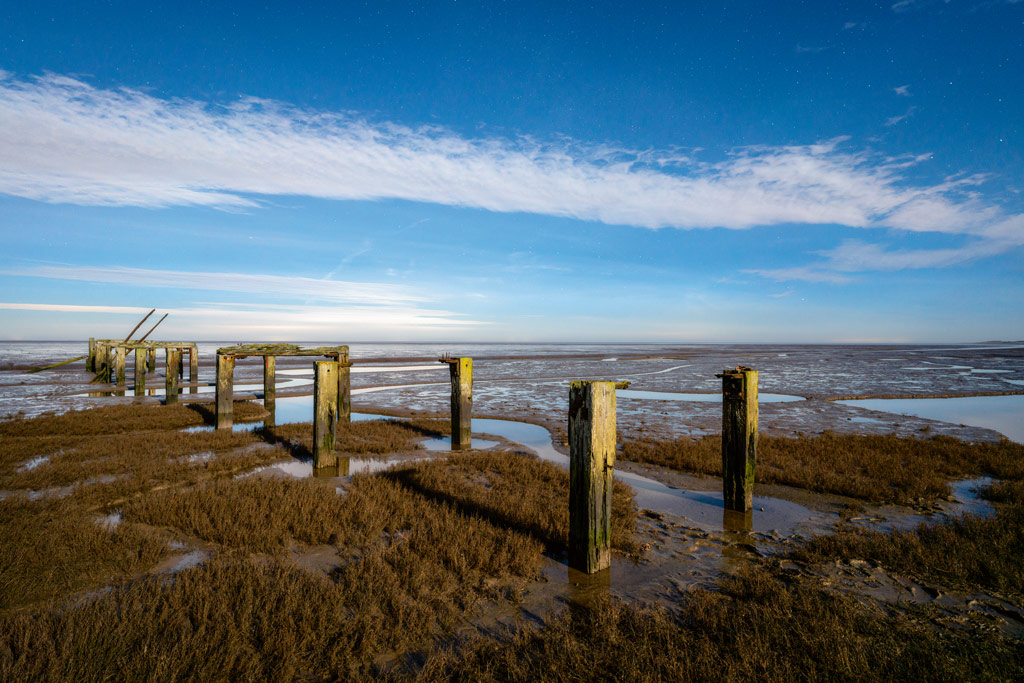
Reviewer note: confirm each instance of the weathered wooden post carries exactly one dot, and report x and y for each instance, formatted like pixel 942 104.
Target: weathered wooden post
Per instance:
pixel 103 361
pixel 151 359
pixel 119 363
pixel 90 361
pixel 461 370
pixel 344 386
pixel 591 465
pixel 181 362
pixel 171 385
pixel 225 391
pixel 193 368
pixel 325 413
pixel 269 389
pixel 739 437
pixel 140 371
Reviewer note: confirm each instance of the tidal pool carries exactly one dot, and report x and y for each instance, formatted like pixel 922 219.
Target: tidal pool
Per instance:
pixel 1004 414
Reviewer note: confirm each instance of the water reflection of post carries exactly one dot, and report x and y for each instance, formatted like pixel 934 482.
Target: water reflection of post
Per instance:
pixel 587 591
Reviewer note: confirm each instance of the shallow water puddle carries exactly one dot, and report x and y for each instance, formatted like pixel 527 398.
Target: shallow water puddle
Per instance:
pixel 1004 414
pixel 704 398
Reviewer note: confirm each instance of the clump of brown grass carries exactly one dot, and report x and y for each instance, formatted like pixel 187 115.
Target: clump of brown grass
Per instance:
pixel 121 419
pixel 755 628
pixel 517 490
pixel 879 469
pixel 50 549
pixel 239 620
pixel 365 438
pixel 970 552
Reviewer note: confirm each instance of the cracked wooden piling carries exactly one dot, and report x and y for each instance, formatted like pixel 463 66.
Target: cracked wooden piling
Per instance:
pixel 225 391
pixel 140 371
pixel 344 387
pixel 151 359
pixel 461 372
pixel 325 413
pixel 119 365
pixel 90 361
pixel 269 389
pixel 591 468
pixel 171 383
pixel 739 437
pixel 193 369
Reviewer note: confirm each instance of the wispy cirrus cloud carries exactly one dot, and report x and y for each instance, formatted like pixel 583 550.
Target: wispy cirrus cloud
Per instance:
pixel 275 286
pixel 63 140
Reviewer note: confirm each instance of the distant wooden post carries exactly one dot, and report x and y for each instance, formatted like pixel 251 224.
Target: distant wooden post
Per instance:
pixel 181 363
pixel 151 360
pixel 103 361
pixel 193 369
pixel 739 437
pixel 325 413
pixel 225 391
pixel 344 387
pixel 171 376
pixel 461 370
pixel 269 389
pixel 591 465
pixel 119 363
pixel 140 371
pixel 90 361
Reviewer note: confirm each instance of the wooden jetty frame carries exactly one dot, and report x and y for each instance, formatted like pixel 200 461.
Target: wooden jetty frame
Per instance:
pixel 107 357
pixel 227 356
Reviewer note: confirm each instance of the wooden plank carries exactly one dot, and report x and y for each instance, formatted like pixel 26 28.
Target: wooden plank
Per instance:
pixel 591 468
pixel 739 437
pixel 325 413
pixel 225 406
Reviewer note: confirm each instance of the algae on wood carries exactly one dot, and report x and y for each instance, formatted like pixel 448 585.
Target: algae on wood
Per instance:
pixel 739 437
pixel 591 467
pixel 225 392
pixel 325 413
pixel 140 371
pixel 171 376
pixel 269 389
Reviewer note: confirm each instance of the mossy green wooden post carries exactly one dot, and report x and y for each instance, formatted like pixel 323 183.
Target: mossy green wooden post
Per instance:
pixel 140 371
pixel 739 437
pixel 103 361
pixel 269 389
pixel 225 409
pixel 325 413
pixel 151 359
pixel 591 466
pixel 119 364
pixel 90 361
pixel 171 376
pixel 461 370
pixel 344 386
pixel 193 368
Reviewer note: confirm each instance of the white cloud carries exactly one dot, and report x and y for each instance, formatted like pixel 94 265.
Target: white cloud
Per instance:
pixel 73 308
pixel 256 285
pixel 62 140
pixel 903 90
pixel 893 120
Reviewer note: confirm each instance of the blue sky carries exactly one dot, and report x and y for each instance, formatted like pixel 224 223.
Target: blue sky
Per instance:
pixel 512 171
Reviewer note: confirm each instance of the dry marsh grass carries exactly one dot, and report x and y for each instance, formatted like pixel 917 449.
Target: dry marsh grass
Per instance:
pixel 968 553
pixel 364 438
pixel 511 489
pixel 755 628
pixel 879 469
pixel 52 549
